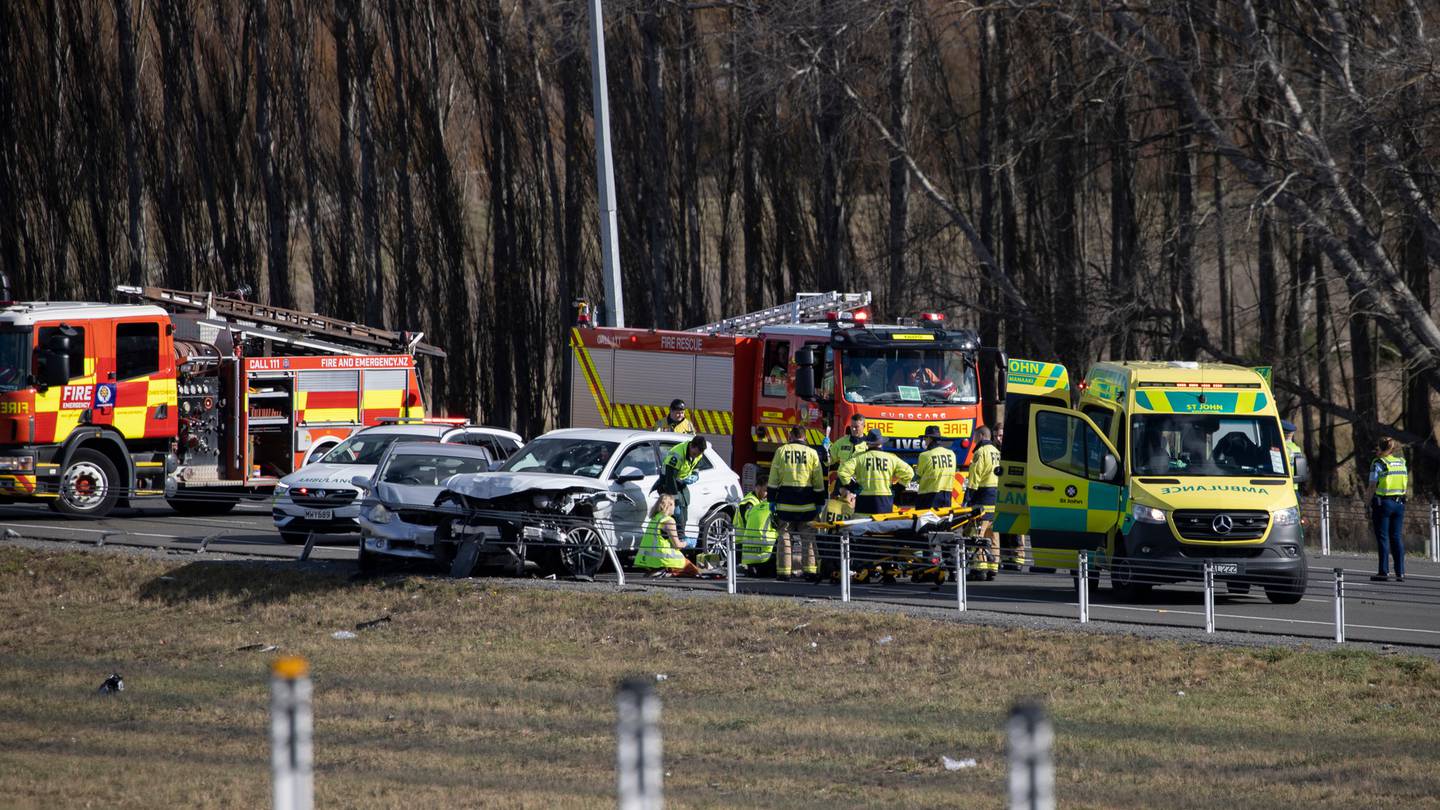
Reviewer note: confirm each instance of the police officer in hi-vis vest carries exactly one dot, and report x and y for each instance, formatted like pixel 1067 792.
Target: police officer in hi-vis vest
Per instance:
pixel 1389 484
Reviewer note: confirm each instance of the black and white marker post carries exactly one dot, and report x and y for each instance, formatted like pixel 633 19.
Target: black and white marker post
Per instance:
pixel 290 728
pixel 638 749
pixel 1032 775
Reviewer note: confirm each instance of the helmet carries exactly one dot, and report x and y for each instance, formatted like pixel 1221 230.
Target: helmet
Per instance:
pixel 677 404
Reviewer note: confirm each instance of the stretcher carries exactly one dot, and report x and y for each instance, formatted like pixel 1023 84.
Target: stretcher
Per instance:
pixel 906 543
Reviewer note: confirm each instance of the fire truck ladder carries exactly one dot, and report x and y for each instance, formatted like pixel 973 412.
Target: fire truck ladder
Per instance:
pixel 807 307
pixel 284 325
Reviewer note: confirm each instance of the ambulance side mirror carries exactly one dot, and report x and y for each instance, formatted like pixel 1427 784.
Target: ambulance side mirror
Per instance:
pixel 1302 468
pixel 805 373
pixel 1110 468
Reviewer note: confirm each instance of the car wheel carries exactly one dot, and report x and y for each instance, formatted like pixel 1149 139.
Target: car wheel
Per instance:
pixel 294 538
pixel 87 486
pixel 715 534
pixel 365 562
pixel 582 552
pixel 1288 593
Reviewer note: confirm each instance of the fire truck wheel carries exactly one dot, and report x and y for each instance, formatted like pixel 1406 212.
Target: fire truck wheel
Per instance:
pixel 88 486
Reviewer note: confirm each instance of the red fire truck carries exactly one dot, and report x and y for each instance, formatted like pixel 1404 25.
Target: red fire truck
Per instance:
pixel 200 398
pixel 816 361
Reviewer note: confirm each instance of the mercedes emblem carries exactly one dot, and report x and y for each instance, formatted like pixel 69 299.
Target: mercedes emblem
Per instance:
pixel 1222 524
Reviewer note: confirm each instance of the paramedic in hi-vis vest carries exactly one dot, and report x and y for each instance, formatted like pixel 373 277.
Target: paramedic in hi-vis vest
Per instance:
pixel 797 491
pixel 680 469
pixel 755 529
pixel 980 487
pixel 936 470
pixel 660 547
pixel 872 476
pixel 1389 484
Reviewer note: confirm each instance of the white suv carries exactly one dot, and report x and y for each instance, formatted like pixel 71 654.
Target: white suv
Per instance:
pixel 320 497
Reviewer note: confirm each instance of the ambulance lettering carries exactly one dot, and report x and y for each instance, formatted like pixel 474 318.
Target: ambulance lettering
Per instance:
pixel 1215 488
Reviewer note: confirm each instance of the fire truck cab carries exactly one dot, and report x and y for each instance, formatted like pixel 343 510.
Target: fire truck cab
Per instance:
pixel 201 399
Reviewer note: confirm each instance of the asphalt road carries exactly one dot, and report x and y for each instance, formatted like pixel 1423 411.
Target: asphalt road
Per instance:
pixel 1391 613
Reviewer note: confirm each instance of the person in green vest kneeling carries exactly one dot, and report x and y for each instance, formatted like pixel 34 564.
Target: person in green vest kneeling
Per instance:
pixel 755 529
pixel 660 548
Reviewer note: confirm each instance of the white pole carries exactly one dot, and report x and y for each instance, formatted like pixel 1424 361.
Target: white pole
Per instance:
pixel 1435 532
pixel 1325 525
pixel 605 170
pixel 638 747
pixel 1339 605
pixel 1083 581
pixel 1209 597
pixel 844 568
pixel 290 728
pixel 731 572
pixel 962 570
pixel 1032 774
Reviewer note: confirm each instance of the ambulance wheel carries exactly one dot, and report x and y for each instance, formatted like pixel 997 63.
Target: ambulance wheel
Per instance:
pixel 87 486
pixel 1122 582
pixel 1288 593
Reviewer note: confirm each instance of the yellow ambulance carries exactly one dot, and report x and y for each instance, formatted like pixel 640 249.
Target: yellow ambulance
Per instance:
pixel 1156 469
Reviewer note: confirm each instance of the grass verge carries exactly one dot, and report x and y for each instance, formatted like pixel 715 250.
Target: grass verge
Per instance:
pixel 498 694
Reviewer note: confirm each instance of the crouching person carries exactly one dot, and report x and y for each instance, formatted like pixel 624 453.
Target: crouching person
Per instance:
pixel 755 530
pixel 660 548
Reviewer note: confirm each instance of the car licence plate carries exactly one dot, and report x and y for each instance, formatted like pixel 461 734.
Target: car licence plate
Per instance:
pixel 1227 569
pixel 319 514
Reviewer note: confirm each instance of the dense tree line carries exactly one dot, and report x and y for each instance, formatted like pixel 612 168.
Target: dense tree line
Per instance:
pixel 1251 180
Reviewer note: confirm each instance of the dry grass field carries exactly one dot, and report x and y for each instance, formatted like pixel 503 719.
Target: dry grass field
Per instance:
pixel 500 694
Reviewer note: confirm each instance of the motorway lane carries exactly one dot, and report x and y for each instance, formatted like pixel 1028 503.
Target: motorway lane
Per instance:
pixel 1395 613
pixel 246 530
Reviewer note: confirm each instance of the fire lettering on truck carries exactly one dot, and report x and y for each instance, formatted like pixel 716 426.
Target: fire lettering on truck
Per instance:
pixel 14 407
pixel 682 344
pixel 76 396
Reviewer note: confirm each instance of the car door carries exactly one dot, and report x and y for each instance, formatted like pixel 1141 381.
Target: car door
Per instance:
pixel 1073 485
pixel 630 515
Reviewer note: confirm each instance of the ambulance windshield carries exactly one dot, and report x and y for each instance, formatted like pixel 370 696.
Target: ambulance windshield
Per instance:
pixel 14 360
pixel 1199 444
pixel 928 376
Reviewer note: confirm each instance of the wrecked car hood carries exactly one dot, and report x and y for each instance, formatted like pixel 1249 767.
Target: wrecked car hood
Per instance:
pixel 485 486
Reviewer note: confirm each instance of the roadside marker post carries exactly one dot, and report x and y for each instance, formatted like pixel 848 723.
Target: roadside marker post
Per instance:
pixel 731 572
pixel 1325 525
pixel 844 568
pixel 962 572
pixel 638 749
pixel 1032 774
pixel 1435 532
pixel 290 734
pixel 1209 597
pixel 1083 584
pixel 1339 605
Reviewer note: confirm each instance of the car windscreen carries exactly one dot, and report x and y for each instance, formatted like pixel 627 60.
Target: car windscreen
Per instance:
pixel 14 359
pixel 367 448
pixel 931 376
pixel 1206 445
pixel 562 456
pixel 430 469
